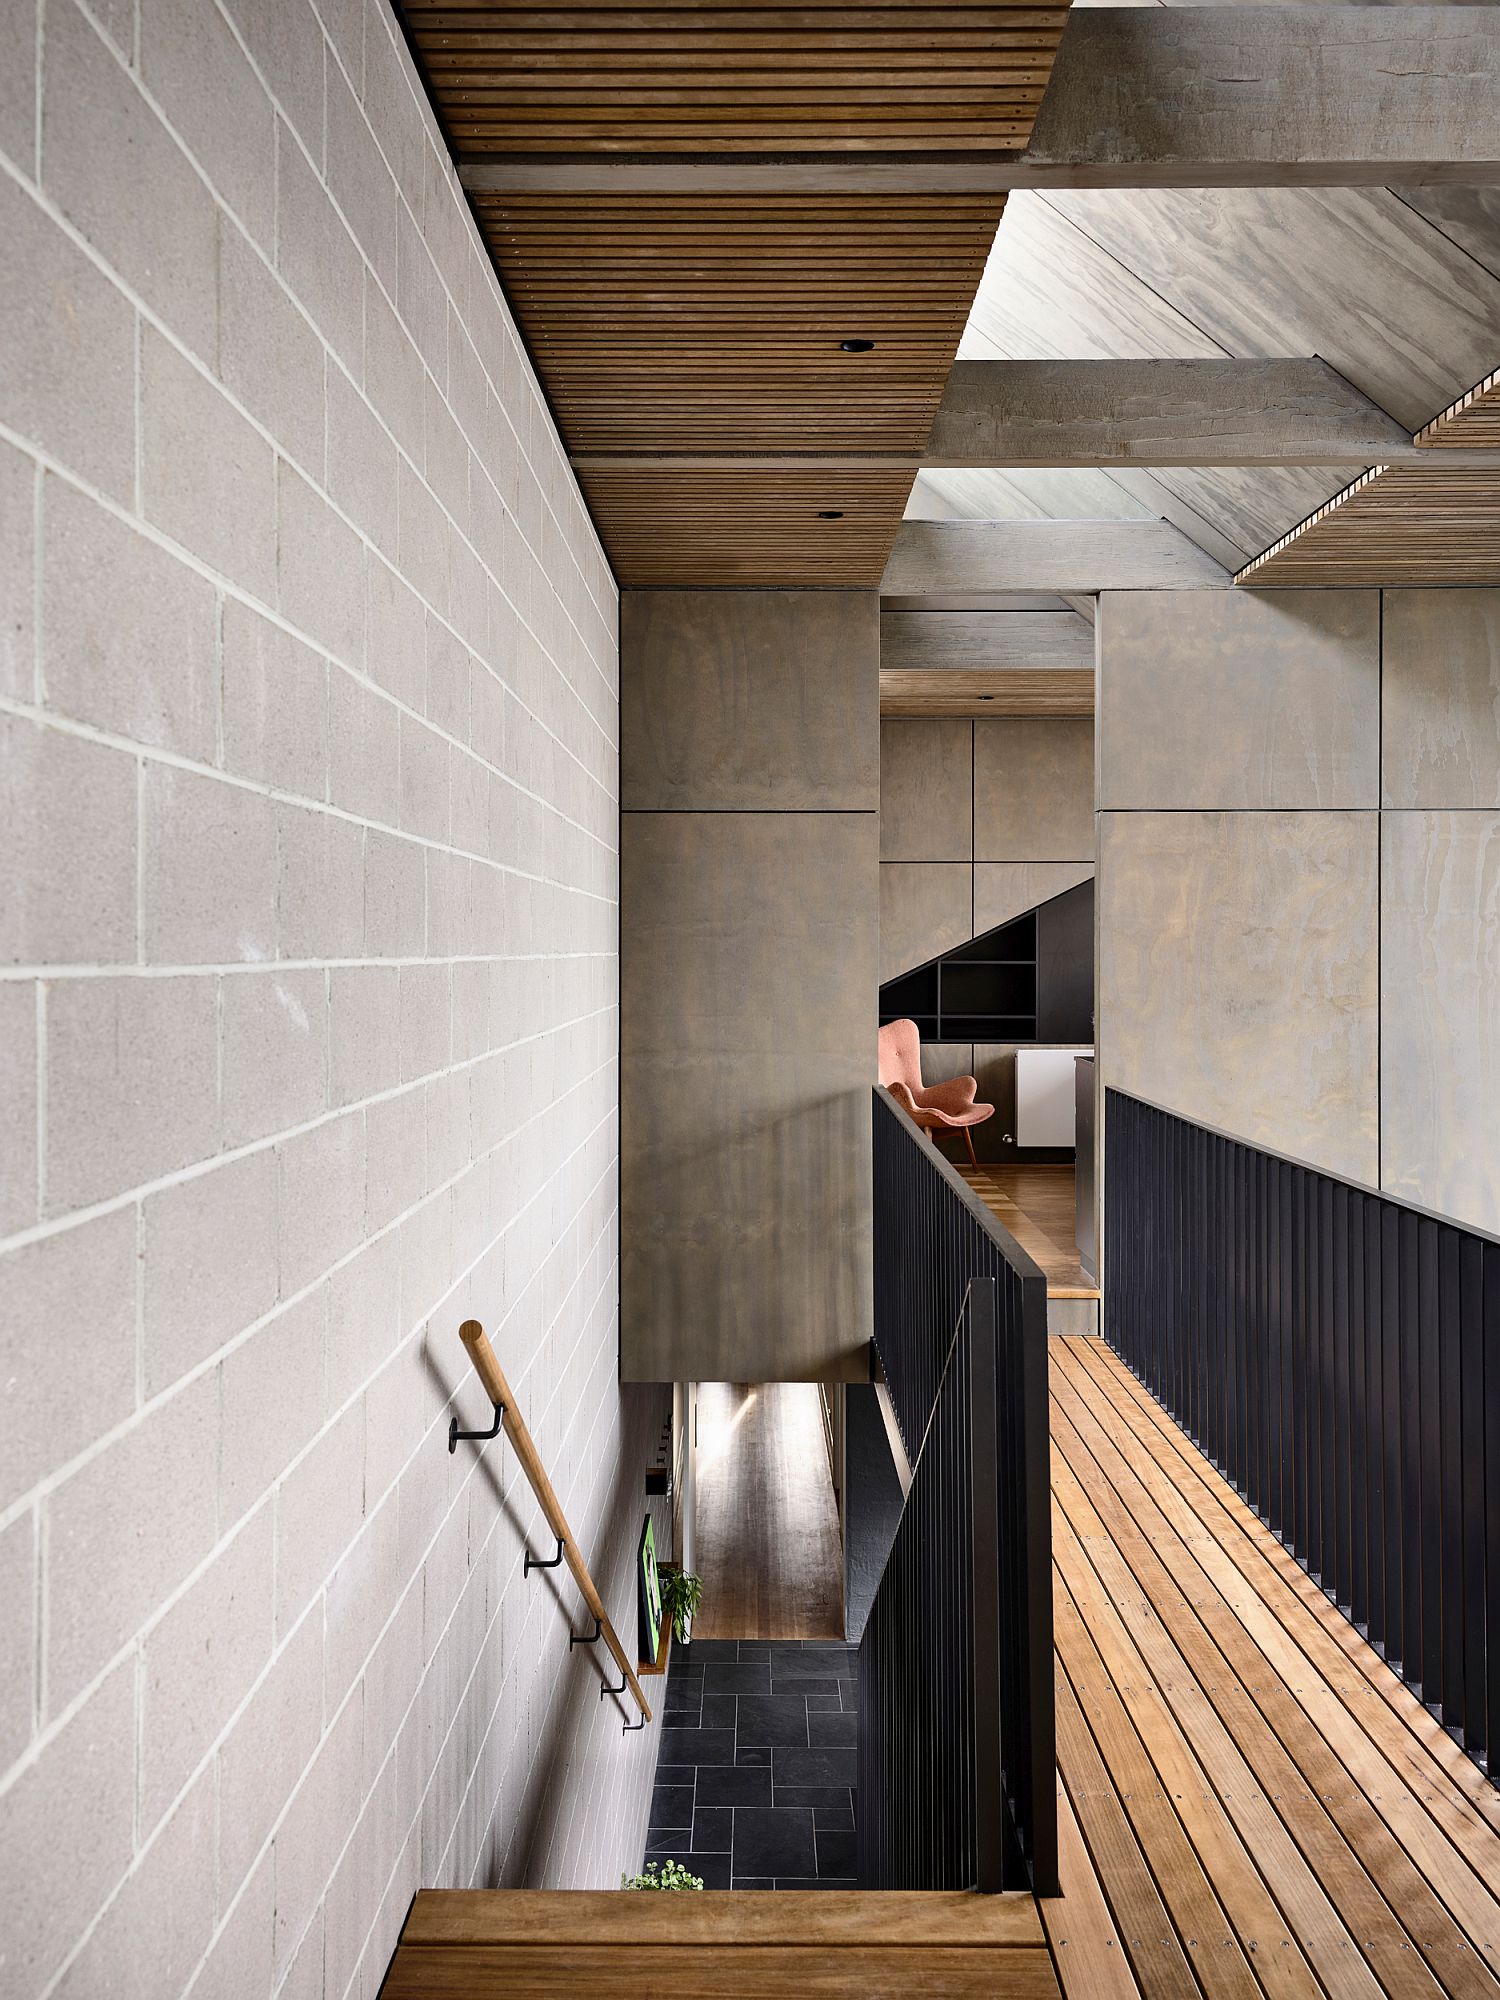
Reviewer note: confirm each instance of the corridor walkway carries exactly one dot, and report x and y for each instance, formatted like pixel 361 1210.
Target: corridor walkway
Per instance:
pixel 1250 1801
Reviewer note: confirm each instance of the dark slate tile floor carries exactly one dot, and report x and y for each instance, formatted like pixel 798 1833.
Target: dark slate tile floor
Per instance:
pixel 755 1774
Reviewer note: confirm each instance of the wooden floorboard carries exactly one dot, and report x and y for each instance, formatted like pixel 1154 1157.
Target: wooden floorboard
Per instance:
pixel 1221 1727
pixel 1036 1205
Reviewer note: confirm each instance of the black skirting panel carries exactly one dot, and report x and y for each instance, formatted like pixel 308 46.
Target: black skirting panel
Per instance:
pixel 1336 1354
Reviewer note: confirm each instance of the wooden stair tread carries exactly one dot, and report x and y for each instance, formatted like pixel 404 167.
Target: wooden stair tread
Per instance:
pixel 789 1918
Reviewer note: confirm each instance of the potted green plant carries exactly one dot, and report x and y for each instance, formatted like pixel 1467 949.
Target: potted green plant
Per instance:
pixel 681 1593
pixel 662 1875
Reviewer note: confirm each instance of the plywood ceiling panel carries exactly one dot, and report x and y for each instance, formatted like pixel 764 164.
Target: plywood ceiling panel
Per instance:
pixel 1398 524
pixel 711 321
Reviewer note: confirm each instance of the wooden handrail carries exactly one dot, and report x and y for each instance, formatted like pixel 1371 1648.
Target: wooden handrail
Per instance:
pixel 490 1373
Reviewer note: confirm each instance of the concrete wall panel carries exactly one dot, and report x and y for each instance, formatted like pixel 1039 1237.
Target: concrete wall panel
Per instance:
pixel 1236 700
pixel 749 1051
pixel 1034 790
pixel 1440 1011
pixel 1441 740
pixel 1238 974
pixel 1003 890
pixel 926 790
pixel 750 701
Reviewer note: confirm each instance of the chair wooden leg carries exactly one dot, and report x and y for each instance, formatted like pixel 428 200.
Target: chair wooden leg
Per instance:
pixel 969 1142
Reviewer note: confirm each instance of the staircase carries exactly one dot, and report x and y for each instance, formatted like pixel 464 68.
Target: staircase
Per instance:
pixel 534 1944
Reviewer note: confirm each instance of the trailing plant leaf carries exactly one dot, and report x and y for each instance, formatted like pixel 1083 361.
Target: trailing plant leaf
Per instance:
pixel 662 1875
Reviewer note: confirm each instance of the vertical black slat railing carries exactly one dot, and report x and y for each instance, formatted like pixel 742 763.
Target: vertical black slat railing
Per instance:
pixel 957 1733
pixel 1357 1340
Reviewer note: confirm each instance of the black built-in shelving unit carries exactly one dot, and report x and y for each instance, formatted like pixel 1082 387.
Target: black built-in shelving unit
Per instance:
pixel 1030 980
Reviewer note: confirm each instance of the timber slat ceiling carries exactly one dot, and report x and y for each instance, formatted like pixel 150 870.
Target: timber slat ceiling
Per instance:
pixel 1473 420
pixel 711 322
pixel 736 78
pixel 1399 524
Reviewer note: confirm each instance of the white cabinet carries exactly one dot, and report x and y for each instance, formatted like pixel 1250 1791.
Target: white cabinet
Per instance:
pixel 1045 1096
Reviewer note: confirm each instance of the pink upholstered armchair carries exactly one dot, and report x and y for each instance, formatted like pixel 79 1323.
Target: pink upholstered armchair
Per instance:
pixel 939 1107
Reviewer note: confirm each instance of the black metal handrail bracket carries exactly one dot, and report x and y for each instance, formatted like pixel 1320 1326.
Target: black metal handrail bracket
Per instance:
pixel 1335 1353
pixel 957 1731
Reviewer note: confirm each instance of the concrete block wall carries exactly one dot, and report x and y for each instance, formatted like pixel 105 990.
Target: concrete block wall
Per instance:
pixel 308 1024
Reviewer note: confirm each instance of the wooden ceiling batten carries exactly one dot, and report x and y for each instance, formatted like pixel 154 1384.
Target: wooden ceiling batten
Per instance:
pixel 1473 420
pixel 708 321
pixel 1416 525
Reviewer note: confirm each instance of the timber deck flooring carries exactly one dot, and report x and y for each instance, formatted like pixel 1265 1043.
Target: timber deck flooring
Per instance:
pixel 1036 1205
pixel 767 1546
pixel 1251 1802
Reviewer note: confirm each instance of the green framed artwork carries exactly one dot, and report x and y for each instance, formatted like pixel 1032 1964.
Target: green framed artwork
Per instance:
pixel 649 1592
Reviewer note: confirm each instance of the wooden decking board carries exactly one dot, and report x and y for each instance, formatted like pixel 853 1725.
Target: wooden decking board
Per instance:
pixel 1206 1881
pixel 1417 1870
pixel 1085 1944
pixel 1430 1743
pixel 1273 1723
pixel 1280 1909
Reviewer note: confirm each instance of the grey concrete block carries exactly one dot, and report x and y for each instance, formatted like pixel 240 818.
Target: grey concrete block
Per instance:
pixel 319 261
pixel 209 1264
pixel 1440 1012
pixel 18 84
pixel 1238 975
pixel 132 1084
pixel 424 781
pixel 124 1531
pixel 273 1402
pixel 319 1506
pixel 201 1660
pixel 320 885
pixel 267 1750
pixel 320 570
pixel 1236 699
pixel 926 790
pixel 361 464
pixel 322 1198
pixel 69 808
pixel 364 750
pixel 86 1275
pixel 128 632
pixel 275 694
pixel 275 1053
pixel 394 377
pixel 195 69
pixel 305 1849
pixel 208 870
pixel 1441 694
pixel 18 1647
pixel 208 479
pixel 239 1961
pixel 68 337
pixel 66 1834
pixel 18 506
pixel 396 637
pixel 18 1106
pixel 395 897
pixel 1034 790
pixel 286 43
pixel 270 359
pixel 364 1024
pixel 357 174
pixel 156 1930
pixel 93 117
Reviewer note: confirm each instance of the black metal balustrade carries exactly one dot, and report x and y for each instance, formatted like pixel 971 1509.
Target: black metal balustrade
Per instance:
pixel 1336 1354
pixel 957 1785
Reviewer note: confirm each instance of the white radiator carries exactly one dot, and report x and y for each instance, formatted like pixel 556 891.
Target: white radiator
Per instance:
pixel 1045 1096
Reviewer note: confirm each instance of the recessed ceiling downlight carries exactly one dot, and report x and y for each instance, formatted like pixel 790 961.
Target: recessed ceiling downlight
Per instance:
pixel 830 513
pixel 857 346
